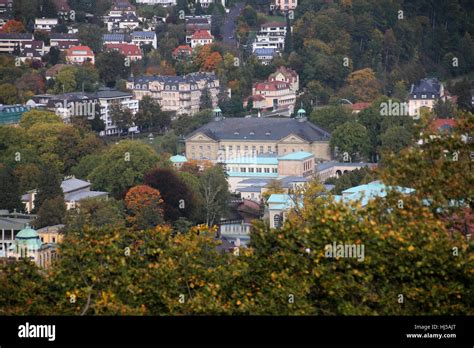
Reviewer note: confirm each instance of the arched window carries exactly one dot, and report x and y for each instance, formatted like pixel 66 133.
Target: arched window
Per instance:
pixel 338 173
pixel 144 87
pixel 137 87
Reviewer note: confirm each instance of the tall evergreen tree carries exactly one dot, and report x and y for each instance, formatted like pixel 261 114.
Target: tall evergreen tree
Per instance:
pixel 10 195
pixel 206 101
pixel 49 186
pixel 288 37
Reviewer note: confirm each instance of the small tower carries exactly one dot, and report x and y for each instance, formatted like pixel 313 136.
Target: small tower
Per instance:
pixel 217 113
pixel 301 114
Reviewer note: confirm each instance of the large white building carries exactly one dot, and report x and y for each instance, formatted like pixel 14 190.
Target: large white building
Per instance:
pixel 179 94
pixel 10 41
pixel 109 97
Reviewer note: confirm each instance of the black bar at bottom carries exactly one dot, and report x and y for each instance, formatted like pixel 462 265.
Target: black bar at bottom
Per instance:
pixel 453 331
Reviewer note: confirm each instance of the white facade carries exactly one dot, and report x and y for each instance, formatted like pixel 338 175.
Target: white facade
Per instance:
pixel 148 39
pixel 46 24
pixel 105 104
pixel 268 41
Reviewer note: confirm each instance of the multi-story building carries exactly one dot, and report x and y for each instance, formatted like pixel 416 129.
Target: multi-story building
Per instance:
pixel 273 29
pixel 241 137
pixel 11 114
pixel 45 24
pixel 265 55
pixel 201 38
pixel 11 41
pixel 179 94
pixel 80 55
pixel 277 95
pixel 195 23
pixel 127 21
pixel 182 52
pixel 425 94
pixel 283 5
pixel 109 97
pixel 267 41
pixel 6 6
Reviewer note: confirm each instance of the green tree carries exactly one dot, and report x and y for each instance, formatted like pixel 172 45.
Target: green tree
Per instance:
pixel 111 66
pixel 150 115
pixel 51 212
pixel 179 200
pixel 49 187
pixel 206 101
pixel 131 159
pixel 351 138
pixel 8 94
pixel 395 139
pixel 122 117
pixel 91 35
pixel 10 195
pixel 65 81
pixel 215 191
pixel 33 117
pixel 331 117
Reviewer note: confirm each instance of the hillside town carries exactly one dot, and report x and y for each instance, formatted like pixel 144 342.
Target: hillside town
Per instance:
pixel 244 137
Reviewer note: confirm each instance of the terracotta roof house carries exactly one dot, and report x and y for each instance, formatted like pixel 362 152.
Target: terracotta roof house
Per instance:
pixel 131 51
pixel 80 55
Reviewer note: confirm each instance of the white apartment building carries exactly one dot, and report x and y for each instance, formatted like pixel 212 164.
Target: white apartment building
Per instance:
pixel 10 41
pixel 106 99
pixel 141 38
pixel 45 24
pixel 268 41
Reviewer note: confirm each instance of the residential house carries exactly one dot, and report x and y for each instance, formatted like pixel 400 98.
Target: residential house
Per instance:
pixel 278 95
pixel 80 55
pixel 201 38
pixel 142 38
pixel 127 21
pixel 265 55
pixel 425 94
pixel 284 74
pixel 63 41
pixel 182 52
pixel 130 51
pixel 163 3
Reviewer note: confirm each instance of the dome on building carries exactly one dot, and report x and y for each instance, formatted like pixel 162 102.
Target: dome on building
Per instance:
pixel 28 238
pixel 27 233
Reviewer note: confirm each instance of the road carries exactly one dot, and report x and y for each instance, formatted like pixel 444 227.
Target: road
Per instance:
pixel 230 24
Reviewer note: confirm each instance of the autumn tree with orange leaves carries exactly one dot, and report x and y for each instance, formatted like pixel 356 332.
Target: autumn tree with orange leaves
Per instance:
pixel 13 26
pixel 144 207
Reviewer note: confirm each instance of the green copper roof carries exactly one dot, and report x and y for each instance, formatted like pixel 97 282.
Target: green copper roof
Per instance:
pixel 27 233
pixel 178 159
pixel 296 156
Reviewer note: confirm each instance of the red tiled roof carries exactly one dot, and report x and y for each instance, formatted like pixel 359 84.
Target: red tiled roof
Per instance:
pixel 287 72
pixel 182 49
pixel 271 86
pixel 202 35
pixel 125 49
pixel 441 123
pixel 73 51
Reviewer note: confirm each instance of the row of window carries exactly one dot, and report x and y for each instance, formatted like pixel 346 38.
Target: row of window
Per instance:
pixel 254 170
